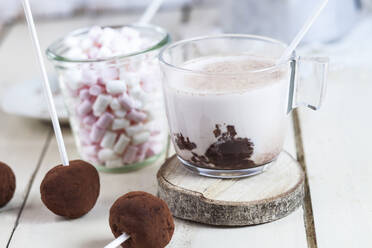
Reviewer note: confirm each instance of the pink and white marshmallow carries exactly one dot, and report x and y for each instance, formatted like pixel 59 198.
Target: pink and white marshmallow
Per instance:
pixel 116 105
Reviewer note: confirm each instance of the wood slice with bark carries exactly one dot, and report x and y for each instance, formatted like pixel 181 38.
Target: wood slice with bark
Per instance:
pixel 232 202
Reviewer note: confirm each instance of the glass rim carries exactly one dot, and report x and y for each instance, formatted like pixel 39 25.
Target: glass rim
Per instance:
pixel 54 56
pixel 223 36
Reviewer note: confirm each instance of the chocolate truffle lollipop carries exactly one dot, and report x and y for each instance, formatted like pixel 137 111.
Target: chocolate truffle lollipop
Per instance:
pixel 7 184
pixel 69 191
pixel 144 217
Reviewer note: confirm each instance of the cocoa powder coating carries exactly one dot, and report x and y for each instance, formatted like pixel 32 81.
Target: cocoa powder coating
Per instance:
pixel 146 218
pixel 7 184
pixel 70 191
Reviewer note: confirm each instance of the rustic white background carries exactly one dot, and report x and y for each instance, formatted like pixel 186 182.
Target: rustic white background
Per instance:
pixel 10 9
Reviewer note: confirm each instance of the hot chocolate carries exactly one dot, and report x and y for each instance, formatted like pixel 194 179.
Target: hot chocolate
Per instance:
pixel 228 112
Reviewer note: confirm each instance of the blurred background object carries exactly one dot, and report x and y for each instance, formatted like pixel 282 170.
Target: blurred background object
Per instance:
pixel 281 19
pixel 27 99
pixel 10 9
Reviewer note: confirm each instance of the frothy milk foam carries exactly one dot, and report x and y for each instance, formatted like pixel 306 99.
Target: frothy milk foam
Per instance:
pixel 228 94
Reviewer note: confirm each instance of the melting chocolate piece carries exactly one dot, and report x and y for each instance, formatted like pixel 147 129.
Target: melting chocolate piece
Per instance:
pixel 184 144
pixel 231 131
pixel 228 152
pixel 217 131
pixel 234 153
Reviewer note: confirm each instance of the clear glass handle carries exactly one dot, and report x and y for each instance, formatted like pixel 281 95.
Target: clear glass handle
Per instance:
pixel 308 82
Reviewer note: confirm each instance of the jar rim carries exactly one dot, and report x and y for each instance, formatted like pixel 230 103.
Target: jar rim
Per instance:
pixel 53 55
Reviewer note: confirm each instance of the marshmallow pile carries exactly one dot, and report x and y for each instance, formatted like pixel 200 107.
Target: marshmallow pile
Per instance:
pixel 116 106
pixel 106 42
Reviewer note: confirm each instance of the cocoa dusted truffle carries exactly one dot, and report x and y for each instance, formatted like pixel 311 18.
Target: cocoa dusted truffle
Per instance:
pixel 144 217
pixel 70 191
pixel 7 184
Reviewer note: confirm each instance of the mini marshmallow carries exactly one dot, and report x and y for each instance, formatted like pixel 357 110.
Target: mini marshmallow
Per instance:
pixel 155 148
pixel 130 33
pixel 115 105
pixel 90 150
pixel 138 104
pixel 105 120
pixel 114 163
pixel 101 104
pixel 73 78
pixel 107 154
pixel 76 53
pixel 132 130
pixel 84 138
pixel 154 113
pixel 121 144
pixel 120 124
pixel 84 94
pixel 86 44
pixel 153 106
pixel 126 102
pixel 95 32
pixel 136 116
pixel 89 76
pixel 134 91
pixel 117 46
pixel 108 74
pixel 96 133
pixel 108 34
pixel 93 53
pixel 116 86
pixel 141 138
pixel 142 151
pixel 89 120
pixel 131 79
pixel 153 125
pixel 158 138
pixel 148 82
pixel 95 90
pixel 120 113
pixel 150 152
pixel 139 94
pixel 130 154
pixel 84 108
pixel 104 52
pixel 108 140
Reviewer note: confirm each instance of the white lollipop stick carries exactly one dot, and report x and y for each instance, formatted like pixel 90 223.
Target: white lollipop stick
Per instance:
pixel 310 21
pixel 150 11
pixel 145 18
pixel 47 91
pixel 118 241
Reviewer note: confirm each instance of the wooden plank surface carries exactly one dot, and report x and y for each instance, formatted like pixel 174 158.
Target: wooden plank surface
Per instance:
pixel 337 148
pixel 40 228
pixel 22 141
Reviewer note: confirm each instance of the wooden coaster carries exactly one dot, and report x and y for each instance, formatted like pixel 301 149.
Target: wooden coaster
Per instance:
pixel 232 202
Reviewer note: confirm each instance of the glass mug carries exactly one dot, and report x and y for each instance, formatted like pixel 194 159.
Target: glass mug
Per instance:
pixel 84 82
pixel 228 102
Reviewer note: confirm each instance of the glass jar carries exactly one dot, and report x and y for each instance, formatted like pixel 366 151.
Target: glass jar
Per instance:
pixel 115 104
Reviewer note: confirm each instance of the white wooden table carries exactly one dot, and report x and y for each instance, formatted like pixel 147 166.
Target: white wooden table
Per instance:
pixel 333 145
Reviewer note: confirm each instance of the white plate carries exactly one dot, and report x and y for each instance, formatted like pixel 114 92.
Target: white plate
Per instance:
pixel 27 99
